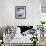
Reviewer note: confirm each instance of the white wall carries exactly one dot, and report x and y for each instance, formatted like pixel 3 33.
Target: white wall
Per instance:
pixel 0 13
pixel 32 12
pixel 36 12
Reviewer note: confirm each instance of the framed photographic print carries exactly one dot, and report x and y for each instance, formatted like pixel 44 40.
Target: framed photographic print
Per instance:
pixel 20 12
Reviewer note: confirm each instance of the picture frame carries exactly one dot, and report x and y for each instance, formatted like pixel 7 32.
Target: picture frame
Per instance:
pixel 20 12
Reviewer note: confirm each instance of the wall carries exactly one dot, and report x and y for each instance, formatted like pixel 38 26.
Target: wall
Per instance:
pixel 0 12
pixel 32 12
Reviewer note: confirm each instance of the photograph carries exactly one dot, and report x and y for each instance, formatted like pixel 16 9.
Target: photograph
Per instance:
pixel 22 22
pixel 20 12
